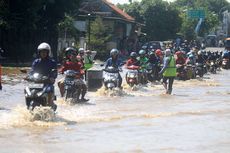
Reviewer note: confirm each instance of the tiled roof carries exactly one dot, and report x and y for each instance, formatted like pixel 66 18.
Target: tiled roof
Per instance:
pixel 119 11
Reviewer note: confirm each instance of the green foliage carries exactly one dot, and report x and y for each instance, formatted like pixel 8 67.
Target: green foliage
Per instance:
pixel 66 26
pixel 100 34
pixel 162 20
pixel 212 9
pixel 27 23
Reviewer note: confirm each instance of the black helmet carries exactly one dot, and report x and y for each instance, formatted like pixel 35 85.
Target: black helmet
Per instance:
pixel 70 50
pixel 227 42
pixel 133 54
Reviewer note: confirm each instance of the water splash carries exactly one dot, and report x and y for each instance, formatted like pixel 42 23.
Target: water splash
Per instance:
pixel 111 93
pixel 21 117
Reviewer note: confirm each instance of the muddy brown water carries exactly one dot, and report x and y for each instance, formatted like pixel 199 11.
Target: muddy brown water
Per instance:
pixel 195 119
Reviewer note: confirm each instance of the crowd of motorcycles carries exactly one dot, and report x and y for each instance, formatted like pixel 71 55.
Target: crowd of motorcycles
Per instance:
pixel 35 94
pixel 212 62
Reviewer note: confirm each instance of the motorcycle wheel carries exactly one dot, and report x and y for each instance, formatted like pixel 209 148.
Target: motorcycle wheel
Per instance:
pixel 131 84
pixel 66 95
pixel 32 105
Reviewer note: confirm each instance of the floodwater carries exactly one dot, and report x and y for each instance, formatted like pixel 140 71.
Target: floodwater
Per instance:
pixel 195 119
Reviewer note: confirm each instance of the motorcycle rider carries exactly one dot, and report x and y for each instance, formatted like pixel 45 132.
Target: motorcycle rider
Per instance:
pixel 226 52
pixel 180 58
pixel 168 71
pixel 155 62
pixel 200 58
pixel 159 55
pixel 115 62
pixel 81 56
pixel 69 51
pixel 75 65
pixel 88 60
pixel 132 61
pixel 46 66
pixel 143 60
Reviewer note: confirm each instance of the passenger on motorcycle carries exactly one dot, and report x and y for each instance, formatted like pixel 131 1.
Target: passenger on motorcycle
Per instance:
pixel 180 58
pixel 191 59
pixel 88 61
pixel 46 66
pixel 115 62
pixel 81 53
pixel 75 65
pixel 153 59
pixel 226 53
pixel 168 71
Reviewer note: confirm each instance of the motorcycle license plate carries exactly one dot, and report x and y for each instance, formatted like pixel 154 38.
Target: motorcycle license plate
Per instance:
pixel 69 82
pixel 39 85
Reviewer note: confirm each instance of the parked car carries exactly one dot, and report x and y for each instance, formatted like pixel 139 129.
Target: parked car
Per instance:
pixel 152 45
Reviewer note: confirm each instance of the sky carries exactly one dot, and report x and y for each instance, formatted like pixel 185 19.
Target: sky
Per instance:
pixel 126 1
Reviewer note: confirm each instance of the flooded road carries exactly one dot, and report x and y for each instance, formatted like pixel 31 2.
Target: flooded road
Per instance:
pixel 195 119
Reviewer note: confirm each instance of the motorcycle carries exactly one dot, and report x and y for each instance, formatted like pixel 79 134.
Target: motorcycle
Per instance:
pixel 199 69
pixel 35 92
pixel 132 75
pixel 213 67
pixel 225 63
pixel 181 72
pixel 152 72
pixel 111 77
pixel 72 85
pixel 191 71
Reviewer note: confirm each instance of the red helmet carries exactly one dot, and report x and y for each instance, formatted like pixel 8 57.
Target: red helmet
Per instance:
pixel 178 53
pixel 158 52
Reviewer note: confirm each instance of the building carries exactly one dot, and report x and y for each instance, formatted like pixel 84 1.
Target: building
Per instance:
pixel 124 29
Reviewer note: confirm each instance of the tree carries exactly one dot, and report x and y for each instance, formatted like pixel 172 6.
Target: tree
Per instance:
pixel 99 36
pixel 27 23
pixel 210 22
pixel 162 21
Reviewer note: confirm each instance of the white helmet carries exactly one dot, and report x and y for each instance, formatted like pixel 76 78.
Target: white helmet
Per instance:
pixel 167 52
pixel 81 50
pixel 114 51
pixel 44 46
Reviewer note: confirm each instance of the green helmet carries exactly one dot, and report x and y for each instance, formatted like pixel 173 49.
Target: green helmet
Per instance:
pixel 142 52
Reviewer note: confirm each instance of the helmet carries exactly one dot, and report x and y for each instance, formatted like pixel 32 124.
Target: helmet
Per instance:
pixel 114 51
pixel 167 52
pixel 227 42
pixel 81 50
pixel 133 54
pixel 199 52
pixel 142 52
pixel 70 50
pixel 158 52
pixel 151 53
pixel 44 46
pixel 178 53
pixel 190 56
